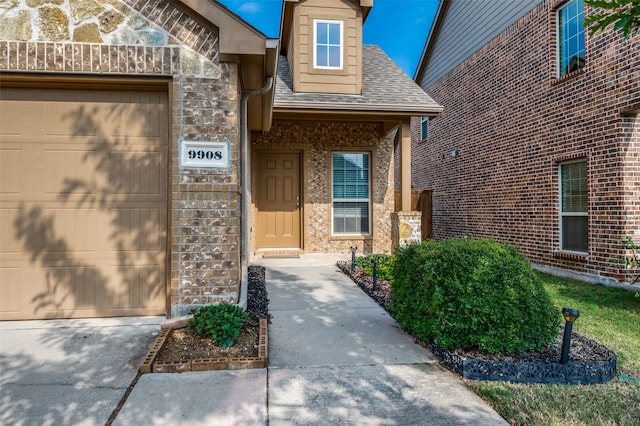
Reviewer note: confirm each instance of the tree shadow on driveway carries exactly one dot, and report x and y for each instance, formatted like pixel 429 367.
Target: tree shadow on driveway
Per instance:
pixel 61 372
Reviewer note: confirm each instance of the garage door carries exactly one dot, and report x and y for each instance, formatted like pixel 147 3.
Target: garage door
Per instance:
pixel 83 202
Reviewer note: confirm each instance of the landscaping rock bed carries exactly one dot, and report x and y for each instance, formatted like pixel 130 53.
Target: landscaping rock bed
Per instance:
pixel 382 295
pixel 589 361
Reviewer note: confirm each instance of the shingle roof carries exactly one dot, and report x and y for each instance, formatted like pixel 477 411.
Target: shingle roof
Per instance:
pixel 385 88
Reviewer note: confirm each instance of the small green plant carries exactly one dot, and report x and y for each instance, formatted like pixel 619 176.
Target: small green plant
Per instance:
pixel 384 270
pixel 221 322
pixel 472 294
pixel 634 260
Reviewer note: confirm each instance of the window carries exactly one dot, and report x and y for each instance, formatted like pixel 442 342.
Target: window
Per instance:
pixel 351 197
pixel 424 128
pixel 573 206
pixel 327 44
pixel 571 51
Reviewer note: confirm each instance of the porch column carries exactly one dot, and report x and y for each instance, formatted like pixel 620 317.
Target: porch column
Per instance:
pixel 405 224
pixel 405 166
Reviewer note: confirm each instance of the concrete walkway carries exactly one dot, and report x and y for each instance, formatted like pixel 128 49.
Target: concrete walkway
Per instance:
pixel 336 358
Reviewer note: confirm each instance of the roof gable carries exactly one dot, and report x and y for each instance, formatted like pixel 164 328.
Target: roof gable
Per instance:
pixel 236 35
pixel 386 89
pixel 287 16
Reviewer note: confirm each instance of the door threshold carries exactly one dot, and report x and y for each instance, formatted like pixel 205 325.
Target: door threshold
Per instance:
pixel 279 253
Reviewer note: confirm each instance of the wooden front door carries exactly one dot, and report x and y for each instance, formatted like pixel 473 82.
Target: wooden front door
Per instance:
pixel 278 200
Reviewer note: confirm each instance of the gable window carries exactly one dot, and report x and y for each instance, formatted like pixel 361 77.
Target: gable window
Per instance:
pixel 573 206
pixel 424 128
pixel 571 50
pixel 327 44
pixel 351 198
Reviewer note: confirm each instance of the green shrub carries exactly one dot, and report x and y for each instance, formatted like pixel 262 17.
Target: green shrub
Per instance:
pixel 472 294
pixel 384 269
pixel 221 322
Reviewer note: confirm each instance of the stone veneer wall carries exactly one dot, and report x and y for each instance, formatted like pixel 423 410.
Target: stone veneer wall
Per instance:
pixel 513 121
pixel 105 36
pixel 153 38
pixel 406 228
pixel 316 141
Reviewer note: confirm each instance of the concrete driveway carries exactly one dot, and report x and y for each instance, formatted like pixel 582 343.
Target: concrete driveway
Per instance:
pixel 63 372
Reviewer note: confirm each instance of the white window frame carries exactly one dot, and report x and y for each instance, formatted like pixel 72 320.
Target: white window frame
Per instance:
pixel 562 214
pixel 315 44
pixel 560 42
pixel 424 136
pixel 352 200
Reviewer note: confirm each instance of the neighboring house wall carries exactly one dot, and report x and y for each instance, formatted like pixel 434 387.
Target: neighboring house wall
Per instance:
pixel 306 78
pixel 492 156
pixel 467 28
pixel 316 141
pixel 138 39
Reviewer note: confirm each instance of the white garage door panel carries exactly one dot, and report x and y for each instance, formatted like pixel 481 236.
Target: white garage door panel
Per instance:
pixel 83 202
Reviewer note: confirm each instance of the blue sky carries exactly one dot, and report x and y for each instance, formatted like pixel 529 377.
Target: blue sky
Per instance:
pixel 399 27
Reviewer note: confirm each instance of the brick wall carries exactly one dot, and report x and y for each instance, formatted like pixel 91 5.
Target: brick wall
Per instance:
pixel 316 140
pixel 630 152
pixel 154 38
pixel 205 203
pixel 511 121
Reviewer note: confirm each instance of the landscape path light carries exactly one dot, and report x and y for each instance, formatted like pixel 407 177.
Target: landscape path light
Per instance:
pixel 570 315
pixel 353 259
pixel 375 262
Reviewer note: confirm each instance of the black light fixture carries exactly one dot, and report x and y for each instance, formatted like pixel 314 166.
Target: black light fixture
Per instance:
pixel 570 315
pixel 375 262
pixel 353 259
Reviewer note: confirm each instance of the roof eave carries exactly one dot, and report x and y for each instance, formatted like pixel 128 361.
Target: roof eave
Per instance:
pixel 256 55
pixel 332 108
pixel 236 35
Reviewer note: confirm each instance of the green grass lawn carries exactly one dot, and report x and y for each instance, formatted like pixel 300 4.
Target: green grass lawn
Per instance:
pixel 612 317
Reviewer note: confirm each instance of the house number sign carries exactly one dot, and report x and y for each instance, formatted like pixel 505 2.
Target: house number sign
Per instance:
pixel 204 154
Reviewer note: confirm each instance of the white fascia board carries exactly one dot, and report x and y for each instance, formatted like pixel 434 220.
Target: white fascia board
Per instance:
pixel 332 107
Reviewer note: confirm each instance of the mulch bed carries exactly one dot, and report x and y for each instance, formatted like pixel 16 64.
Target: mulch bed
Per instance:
pixel 184 345
pixel 582 351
